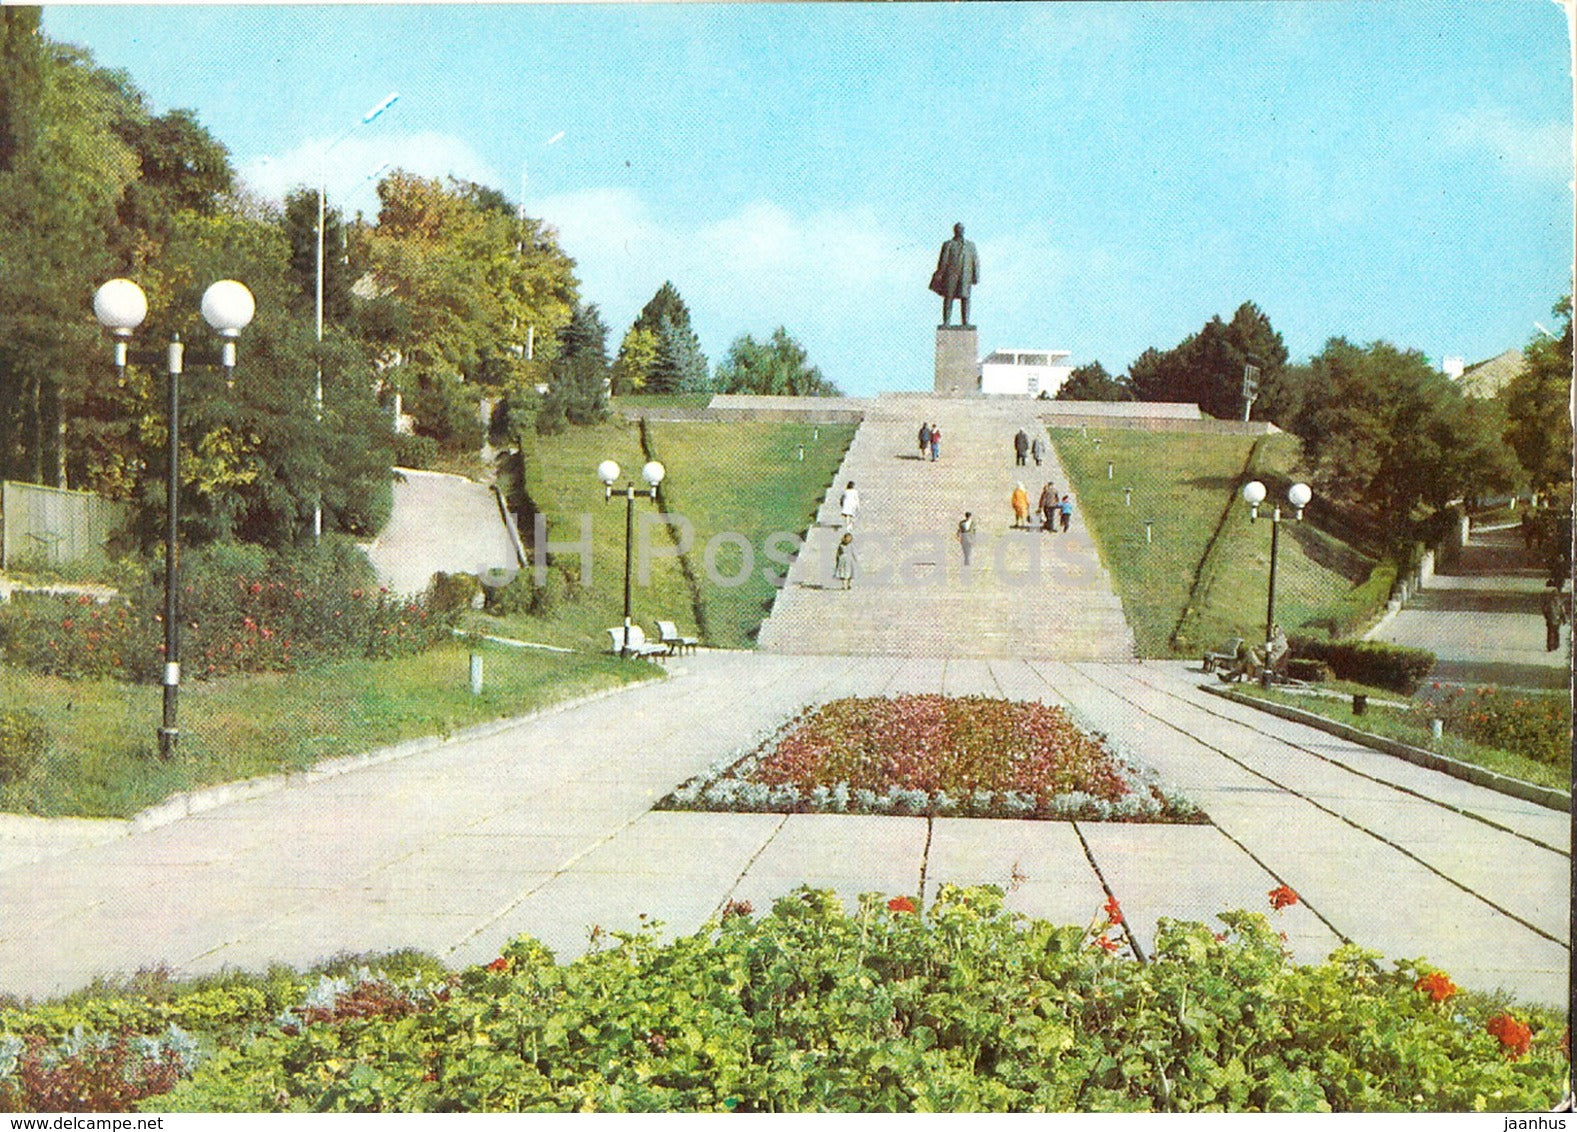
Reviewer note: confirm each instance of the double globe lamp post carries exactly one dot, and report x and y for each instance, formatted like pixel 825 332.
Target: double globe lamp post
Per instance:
pixel 120 306
pixel 1298 495
pixel 608 473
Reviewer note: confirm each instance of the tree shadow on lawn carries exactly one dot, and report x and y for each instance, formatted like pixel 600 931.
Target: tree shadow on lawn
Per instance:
pixel 1327 551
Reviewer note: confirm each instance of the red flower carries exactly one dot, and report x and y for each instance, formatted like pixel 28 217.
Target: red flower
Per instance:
pixel 1514 1035
pixel 1282 897
pixel 900 904
pixel 499 965
pixel 1114 912
pixel 257 587
pixel 1438 985
pixel 1106 943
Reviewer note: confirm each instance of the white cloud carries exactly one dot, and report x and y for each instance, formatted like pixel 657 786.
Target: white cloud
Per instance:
pixel 353 166
pixel 1539 149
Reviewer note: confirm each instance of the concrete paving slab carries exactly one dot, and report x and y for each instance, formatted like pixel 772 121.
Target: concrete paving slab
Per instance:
pixel 1039 865
pixel 1194 872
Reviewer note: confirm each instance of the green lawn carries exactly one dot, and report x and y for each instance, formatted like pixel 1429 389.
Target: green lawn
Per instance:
pixel 723 477
pixel 1203 576
pixel 746 480
pixel 104 761
pixel 1402 725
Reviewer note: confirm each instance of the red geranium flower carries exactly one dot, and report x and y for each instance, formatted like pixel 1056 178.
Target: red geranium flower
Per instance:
pixel 1106 943
pixel 1282 897
pixel 1114 912
pixel 1514 1035
pixel 499 965
pixel 1438 985
pixel 899 904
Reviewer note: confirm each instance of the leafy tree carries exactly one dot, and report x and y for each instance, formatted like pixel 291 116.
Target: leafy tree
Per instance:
pixel 1384 431
pixel 779 366
pixel 301 230
pixel 1091 382
pixel 471 282
pixel 1537 404
pixel 63 170
pixel 1207 368
pixel 678 366
pixel 637 356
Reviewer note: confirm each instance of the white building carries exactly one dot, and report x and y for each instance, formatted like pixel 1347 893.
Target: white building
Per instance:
pixel 1022 373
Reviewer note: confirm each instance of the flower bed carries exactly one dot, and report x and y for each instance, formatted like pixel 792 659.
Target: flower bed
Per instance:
pixel 966 756
pixel 948 1005
pixel 1535 724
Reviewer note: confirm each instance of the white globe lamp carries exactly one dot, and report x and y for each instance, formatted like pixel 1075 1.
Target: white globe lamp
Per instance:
pixel 120 306
pixel 228 307
pixel 608 472
pixel 653 473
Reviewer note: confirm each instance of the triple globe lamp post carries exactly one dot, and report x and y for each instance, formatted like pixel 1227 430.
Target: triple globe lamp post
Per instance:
pixel 1254 493
pixel 121 306
pixel 608 473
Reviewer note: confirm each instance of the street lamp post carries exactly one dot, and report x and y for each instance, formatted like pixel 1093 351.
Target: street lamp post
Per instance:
pixel 608 473
pixel 388 101
pixel 1298 495
pixel 120 306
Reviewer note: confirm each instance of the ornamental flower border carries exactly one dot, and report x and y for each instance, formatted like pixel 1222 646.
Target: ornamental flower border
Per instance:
pixel 727 786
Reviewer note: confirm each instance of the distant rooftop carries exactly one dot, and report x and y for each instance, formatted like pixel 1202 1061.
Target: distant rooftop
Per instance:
pixel 1489 377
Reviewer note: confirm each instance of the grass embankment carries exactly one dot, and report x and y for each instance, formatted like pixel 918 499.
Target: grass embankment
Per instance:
pixel 1202 577
pixel 1410 725
pixel 746 480
pixel 724 477
pixel 104 763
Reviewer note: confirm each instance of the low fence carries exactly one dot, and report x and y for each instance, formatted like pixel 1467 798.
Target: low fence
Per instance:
pixel 1158 424
pixel 52 524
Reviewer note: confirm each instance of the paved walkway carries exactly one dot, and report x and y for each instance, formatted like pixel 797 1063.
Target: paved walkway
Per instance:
pixel 439 522
pixel 1026 592
pixel 1483 618
pixel 546 827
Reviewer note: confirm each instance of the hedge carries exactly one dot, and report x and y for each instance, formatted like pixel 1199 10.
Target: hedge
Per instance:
pixel 1381 665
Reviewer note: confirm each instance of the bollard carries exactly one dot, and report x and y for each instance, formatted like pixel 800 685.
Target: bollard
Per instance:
pixel 1360 703
pixel 1108 469
pixel 815 433
pixel 1147 536
pixel 476 674
pixel 1127 497
pixel 1436 727
pixel 802 452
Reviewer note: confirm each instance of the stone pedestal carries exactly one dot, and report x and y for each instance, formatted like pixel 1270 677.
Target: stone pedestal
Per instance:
pixel 957 360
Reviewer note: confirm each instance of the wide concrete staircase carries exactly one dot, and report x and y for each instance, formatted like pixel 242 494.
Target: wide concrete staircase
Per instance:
pixel 1027 593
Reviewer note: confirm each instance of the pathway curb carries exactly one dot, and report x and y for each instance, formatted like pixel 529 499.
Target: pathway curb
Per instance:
pixel 179 806
pixel 1505 784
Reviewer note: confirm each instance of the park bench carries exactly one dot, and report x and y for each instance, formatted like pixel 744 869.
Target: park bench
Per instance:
pixel 639 645
pixel 671 637
pixel 1224 656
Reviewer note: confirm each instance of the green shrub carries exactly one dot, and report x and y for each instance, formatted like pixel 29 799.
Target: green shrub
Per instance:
pixel 413 450
pixel 1375 663
pixel 1313 671
pixel 451 593
pixel 243 609
pixel 959 1007
pixel 24 741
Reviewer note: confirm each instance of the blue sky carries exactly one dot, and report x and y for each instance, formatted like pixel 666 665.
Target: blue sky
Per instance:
pixel 1396 170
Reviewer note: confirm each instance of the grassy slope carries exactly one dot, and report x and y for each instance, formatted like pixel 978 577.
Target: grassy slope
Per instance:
pixel 1184 483
pixel 745 479
pixel 103 761
pixel 561 477
pixel 737 477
